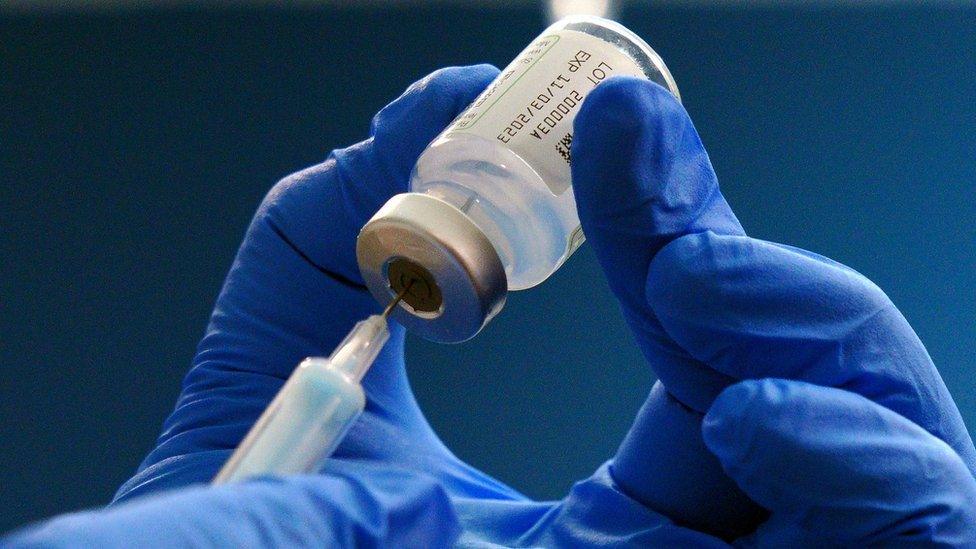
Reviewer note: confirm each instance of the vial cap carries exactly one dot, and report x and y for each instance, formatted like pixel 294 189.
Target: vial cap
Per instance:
pixel 451 277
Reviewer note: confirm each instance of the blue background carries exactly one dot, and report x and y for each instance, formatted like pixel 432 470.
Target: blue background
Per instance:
pixel 134 148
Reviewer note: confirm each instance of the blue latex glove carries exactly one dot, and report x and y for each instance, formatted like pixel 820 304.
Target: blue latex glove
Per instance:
pixel 295 291
pixel 878 453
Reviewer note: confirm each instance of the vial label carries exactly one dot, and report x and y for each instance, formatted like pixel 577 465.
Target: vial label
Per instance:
pixel 530 107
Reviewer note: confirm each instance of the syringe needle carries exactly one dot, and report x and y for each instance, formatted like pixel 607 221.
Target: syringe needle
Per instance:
pixel 314 408
pixel 403 292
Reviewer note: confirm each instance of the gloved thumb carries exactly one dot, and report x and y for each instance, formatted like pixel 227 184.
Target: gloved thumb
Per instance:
pixel 641 178
pixel 833 466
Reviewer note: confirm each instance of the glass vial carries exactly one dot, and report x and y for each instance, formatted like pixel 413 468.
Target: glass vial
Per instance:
pixel 503 167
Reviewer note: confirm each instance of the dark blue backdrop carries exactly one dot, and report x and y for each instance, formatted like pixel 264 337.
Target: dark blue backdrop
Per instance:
pixel 134 148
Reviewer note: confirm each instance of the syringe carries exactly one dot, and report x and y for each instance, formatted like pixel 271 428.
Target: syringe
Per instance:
pixel 313 410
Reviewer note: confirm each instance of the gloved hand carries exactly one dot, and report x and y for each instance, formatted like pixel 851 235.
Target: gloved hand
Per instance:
pixel 864 445
pixel 294 291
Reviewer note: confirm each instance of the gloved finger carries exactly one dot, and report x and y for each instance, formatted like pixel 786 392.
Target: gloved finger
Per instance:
pixel 664 464
pixel 840 467
pixel 370 507
pixel 321 209
pixel 752 309
pixel 641 179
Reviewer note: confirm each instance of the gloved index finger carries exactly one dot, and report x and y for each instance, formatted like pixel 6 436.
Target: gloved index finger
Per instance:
pixel 753 309
pixel 864 476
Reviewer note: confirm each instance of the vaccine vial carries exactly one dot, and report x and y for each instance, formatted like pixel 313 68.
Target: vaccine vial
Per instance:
pixel 491 207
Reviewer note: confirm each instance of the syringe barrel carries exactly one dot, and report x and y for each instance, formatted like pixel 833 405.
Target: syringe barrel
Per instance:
pixel 301 427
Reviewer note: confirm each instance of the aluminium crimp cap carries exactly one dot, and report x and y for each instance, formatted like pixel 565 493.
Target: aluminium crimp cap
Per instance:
pixel 453 279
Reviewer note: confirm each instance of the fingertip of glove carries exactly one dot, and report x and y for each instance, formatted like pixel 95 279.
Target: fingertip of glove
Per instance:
pixel 733 428
pixel 682 266
pixel 621 160
pixel 639 169
pixel 626 111
pixel 721 424
pixel 623 105
pixel 485 72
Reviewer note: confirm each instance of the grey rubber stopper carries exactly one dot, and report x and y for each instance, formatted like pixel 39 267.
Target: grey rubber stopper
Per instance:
pixel 454 278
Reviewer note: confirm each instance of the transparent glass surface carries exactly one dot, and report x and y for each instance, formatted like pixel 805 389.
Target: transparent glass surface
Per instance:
pixel 533 230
